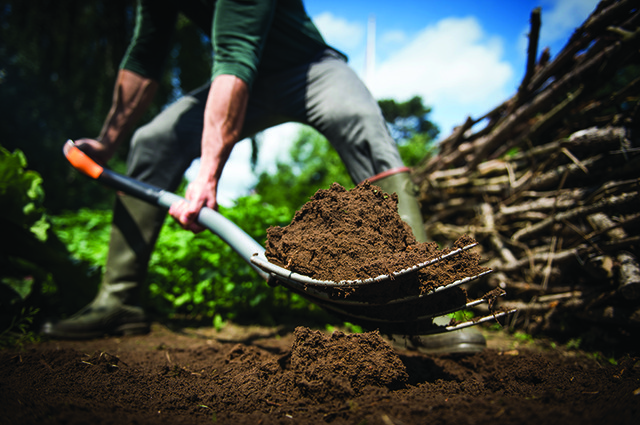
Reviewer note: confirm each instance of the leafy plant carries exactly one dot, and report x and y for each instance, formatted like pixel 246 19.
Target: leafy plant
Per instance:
pixel 85 233
pixel 523 337
pixel 32 258
pixel 19 332
pixel 21 214
pixel 199 276
pixel 21 194
pixel 195 277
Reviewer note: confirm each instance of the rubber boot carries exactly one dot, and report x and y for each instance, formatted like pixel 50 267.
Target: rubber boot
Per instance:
pixel 467 340
pixel 399 181
pixel 114 311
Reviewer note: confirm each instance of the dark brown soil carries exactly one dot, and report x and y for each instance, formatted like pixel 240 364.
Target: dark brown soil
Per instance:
pixel 345 235
pixel 260 376
pixel 342 235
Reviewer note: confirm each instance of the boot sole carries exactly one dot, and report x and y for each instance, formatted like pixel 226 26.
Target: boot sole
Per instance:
pixel 128 329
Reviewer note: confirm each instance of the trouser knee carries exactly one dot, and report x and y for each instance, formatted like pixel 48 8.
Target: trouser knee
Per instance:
pixel 363 141
pixel 157 158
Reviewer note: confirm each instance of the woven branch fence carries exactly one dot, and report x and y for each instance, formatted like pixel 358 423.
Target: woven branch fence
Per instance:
pixel 548 182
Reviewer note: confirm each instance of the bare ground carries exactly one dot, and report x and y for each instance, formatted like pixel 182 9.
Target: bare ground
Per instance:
pixel 257 375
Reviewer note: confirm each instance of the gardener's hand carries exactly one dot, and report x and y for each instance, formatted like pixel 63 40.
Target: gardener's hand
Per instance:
pixel 200 192
pixel 95 149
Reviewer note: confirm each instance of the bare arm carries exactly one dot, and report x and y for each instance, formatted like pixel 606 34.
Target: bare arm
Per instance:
pixel 223 121
pixel 132 95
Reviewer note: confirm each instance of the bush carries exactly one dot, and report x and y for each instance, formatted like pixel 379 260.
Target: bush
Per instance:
pixel 33 261
pixel 196 277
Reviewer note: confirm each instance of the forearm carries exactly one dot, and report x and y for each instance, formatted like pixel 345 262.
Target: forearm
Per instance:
pixel 132 96
pixel 223 121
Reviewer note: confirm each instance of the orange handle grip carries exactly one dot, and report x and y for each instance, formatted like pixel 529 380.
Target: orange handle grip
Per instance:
pixel 81 161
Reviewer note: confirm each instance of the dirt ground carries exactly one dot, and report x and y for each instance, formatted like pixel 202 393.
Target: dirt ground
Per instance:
pixel 253 375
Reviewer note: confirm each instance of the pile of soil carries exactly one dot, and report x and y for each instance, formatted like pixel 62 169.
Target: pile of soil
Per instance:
pixel 305 377
pixel 342 235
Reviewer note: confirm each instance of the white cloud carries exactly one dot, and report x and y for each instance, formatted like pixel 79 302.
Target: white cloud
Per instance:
pixel 561 17
pixel 453 65
pixel 393 37
pixel 275 144
pixel 338 32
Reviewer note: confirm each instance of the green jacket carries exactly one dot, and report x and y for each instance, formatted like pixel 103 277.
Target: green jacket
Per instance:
pixel 248 36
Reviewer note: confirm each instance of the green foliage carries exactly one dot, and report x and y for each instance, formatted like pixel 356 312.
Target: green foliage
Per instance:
pixel 85 233
pixel 415 149
pixel 196 277
pixel 410 126
pixel 19 332
pixel 408 118
pixel 32 259
pixel 21 194
pixel 348 327
pixel 523 336
pixel 462 315
pixel 512 152
pixel 21 197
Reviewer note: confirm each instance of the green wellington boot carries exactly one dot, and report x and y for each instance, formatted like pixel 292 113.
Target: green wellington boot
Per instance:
pixel 134 231
pixel 468 340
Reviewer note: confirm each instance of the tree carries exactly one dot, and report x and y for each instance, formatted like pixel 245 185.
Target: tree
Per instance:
pixel 410 127
pixel 58 64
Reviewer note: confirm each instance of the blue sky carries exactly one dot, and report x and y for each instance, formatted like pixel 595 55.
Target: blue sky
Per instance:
pixel 464 57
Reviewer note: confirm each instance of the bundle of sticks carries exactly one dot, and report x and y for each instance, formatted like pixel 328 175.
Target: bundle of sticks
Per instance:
pixel 548 182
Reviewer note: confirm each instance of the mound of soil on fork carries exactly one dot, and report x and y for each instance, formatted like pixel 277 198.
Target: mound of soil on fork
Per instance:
pixel 346 235
pixel 270 376
pixel 342 235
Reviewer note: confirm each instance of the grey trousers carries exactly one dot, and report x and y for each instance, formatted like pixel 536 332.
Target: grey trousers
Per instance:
pixel 325 94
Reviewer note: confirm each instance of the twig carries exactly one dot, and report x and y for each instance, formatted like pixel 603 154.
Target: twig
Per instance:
pixel 581 211
pixel 547 270
pixel 532 54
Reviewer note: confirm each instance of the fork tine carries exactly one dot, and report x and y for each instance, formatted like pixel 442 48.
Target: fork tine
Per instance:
pixel 478 320
pixel 352 300
pixel 384 319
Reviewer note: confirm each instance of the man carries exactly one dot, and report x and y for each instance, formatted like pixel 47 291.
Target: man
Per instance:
pixel 271 65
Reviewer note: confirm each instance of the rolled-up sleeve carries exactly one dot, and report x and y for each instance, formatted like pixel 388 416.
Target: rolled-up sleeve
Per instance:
pixel 151 41
pixel 240 31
